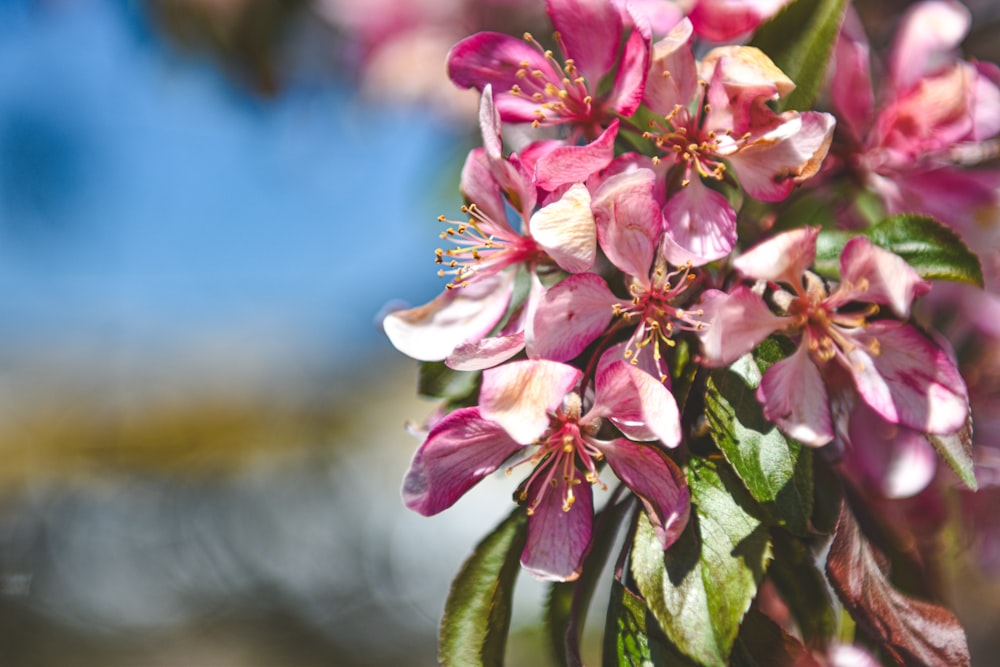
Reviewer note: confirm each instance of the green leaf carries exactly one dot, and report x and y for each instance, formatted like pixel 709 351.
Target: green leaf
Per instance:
pixel 776 470
pixel 436 380
pixel 700 588
pixel 956 449
pixel 477 612
pixel 934 250
pixel 799 39
pixel 632 637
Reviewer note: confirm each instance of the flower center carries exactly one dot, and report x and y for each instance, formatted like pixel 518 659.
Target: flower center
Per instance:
pixel 561 91
pixel 482 247
pixel 656 318
pixel 828 327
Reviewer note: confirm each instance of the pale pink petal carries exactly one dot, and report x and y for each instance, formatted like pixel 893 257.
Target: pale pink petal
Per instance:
pixel 460 450
pixel 566 230
pixel 795 399
pixel 591 31
pixel 782 258
pixel 658 483
pixel 734 324
pixel 849 655
pixel 725 20
pixel 851 91
pixel 926 39
pixel 660 16
pixel 489 124
pixel 741 80
pixel 520 395
pixel 986 102
pixel 673 76
pixel 485 353
pixel 430 332
pixel 630 79
pixel 575 164
pixel 628 220
pixel 875 275
pixel 637 403
pixel 700 225
pixel 896 460
pixel 571 315
pixel 646 363
pixel 926 391
pixel 558 540
pixel 769 167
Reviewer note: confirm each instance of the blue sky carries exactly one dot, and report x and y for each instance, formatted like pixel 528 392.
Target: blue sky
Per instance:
pixel 142 192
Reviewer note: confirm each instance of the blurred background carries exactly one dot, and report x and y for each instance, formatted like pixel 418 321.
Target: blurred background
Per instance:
pixel 204 207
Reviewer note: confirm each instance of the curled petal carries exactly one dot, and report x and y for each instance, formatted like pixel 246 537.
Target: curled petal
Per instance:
pixel 637 403
pixel 460 450
pixel 658 483
pixel 628 220
pixel 521 394
pixel 558 539
pixel 701 225
pixel 876 275
pixel 795 398
pixel 742 79
pixel 571 315
pixel 734 324
pixel 430 332
pixel 566 230
pixel 782 258
pixel 575 164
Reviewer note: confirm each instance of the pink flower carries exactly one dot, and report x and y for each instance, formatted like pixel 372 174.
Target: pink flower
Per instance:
pixel 488 251
pixel 533 85
pixel 900 374
pixel 707 131
pixel 541 405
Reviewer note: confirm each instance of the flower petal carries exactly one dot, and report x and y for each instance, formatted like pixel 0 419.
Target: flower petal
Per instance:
pixel 875 275
pixel 566 230
pixel 700 225
pixel 734 324
pixel 521 394
pixel 725 20
pixel 571 315
pixel 673 76
pixel 658 483
pixel 637 403
pixel 558 540
pixel 460 450
pixel 851 92
pixel 628 220
pixel 430 332
pixel 591 31
pixel 782 258
pixel 575 164
pixel 795 399
pixel 485 353
pixel 630 79
pixel 926 38
pixel 896 460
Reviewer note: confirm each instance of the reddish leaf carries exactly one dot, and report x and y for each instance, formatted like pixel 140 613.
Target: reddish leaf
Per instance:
pixel 914 633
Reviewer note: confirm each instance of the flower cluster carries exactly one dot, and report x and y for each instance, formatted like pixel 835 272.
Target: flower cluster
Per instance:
pixel 650 234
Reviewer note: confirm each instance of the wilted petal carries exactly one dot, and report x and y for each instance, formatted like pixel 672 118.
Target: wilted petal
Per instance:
pixel 875 275
pixel 571 315
pixel 430 332
pixel 897 460
pixel 734 324
pixel 637 403
pixel 566 230
pixel 558 540
pixel 658 483
pixel 460 450
pixel 769 167
pixel 918 385
pixel 782 258
pixel 575 164
pixel 673 77
pixel 926 39
pixel 700 225
pixel 628 220
pixel 485 353
pixel 795 398
pixel 521 394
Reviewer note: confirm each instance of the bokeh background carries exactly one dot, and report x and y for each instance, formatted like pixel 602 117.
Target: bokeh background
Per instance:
pixel 204 207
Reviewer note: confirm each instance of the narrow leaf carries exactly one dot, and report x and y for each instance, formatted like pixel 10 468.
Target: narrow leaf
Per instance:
pixel 477 612
pixel 776 470
pixel 700 588
pixel 913 632
pixel 935 251
pixel 799 39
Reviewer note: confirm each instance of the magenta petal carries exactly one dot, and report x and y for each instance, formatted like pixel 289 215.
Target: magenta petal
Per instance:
pixel 673 76
pixel 571 315
pixel 734 324
pixel 521 394
pixel 575 164
pixel 725 20
pixel 795 398
pixel 782 258
pixel 637 403
pixel 875 275
pixel 925 390
pixel 558 540
pixel 479 184
pixel 851 90
pixel 630 81
pixel 658 483
pixel 628 220
pixel 591 31
pixel 701 225
pixel 896 460
pixel 459 451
